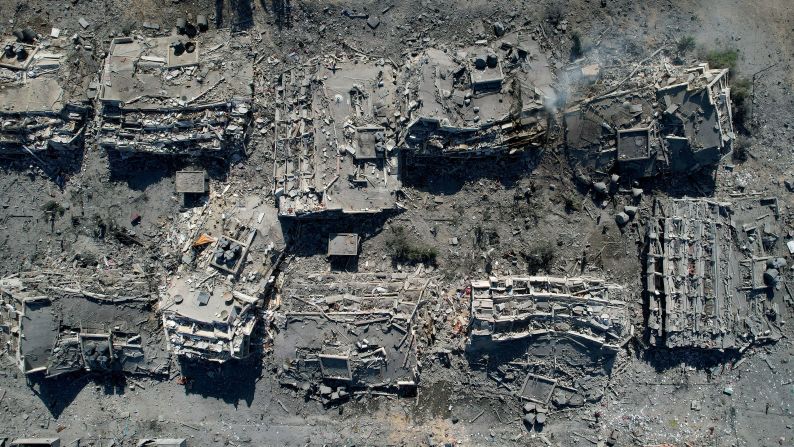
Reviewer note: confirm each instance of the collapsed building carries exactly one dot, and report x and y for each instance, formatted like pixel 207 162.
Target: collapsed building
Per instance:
pixel 211 319
pixel 712 274
pixel 339 335
pixel 175 94
pixel 587 310
pixel 335 139
pixel 344 126
pixel 479 101
pixel 663 119
pixel 53 323
pixel 38 111
pixel 551 341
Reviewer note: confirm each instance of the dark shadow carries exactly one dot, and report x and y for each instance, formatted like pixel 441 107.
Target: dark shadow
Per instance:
pixel 243 14
pixel 448 176
pixel 190 200
pixel 282 13
pixel 663 359
pixel 140 171
pixel 232 381
pixel 698 184
pixel 57 165
pixel 218 13
pixel 344 263
pixel 307 238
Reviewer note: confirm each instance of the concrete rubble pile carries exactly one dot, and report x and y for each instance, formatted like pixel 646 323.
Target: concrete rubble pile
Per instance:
pixel 587 310
pixel 713 273
pixel 663 119
pixel 210 313
pixel 478 101
pixel 175 95
pixel 335 140
pixel 37 111
pixel 342 335
pixel 54 323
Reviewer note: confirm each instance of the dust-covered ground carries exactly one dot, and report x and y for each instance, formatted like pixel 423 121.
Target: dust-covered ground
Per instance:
pixel 503 213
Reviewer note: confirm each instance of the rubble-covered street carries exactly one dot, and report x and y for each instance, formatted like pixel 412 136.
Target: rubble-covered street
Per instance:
pixel 271 223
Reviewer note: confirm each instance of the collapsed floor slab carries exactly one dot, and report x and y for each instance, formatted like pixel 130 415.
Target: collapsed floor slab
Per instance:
pixel 174 95
pixel 712 273
pixel 482 100
pixel 342 334
pixel 588 310
pixel 335 141
pixel 38 110
pixel 55 324
pixel 664 119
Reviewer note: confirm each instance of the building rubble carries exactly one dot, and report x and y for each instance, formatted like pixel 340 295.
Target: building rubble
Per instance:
pixel 663 119
pixel 478 101
pixel 38 109
pixel 587 310
pixel 332 224
pixel 712 274
pixel 175 95
pixel 336 137
pixel 56 323
pixel 342 335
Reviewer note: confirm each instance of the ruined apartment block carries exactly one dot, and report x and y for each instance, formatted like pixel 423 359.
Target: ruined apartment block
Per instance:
pixel 586 310
pixel 479 101
pixel 664 119
pixel 206 314
pixel 712 276
pixel 335 138
pixel 343 334
pixel 175 95
pixel 55 324
pixel 38 111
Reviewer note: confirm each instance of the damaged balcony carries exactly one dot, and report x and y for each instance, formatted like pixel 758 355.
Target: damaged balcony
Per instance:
pixel 175 95
pixel 38 111
pixel 335 139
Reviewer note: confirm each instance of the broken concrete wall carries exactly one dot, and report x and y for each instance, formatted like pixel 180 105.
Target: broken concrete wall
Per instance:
pixel 169 95
pixel 710 273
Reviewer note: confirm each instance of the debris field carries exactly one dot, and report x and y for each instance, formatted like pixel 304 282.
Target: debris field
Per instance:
pixel 564 223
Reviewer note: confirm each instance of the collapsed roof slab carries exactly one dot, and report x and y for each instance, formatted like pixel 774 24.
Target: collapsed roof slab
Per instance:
pixel 173 95
pixel 348 330
pixel 587 310
pixel 687 111
pixel 712 273
pixel 698 110
pixel 335 140
pixel 479 101
pixel 37 112
pixel 60 326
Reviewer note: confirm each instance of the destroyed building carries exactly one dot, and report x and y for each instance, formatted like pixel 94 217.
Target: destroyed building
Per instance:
pixel 39 110
pixel 712 273
pixel 212 320
pixel 336 123
pixel 343 334
pixel 54 323
pixel 587 310
pixel 175 95
pixel 664 119
pixel 479 101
